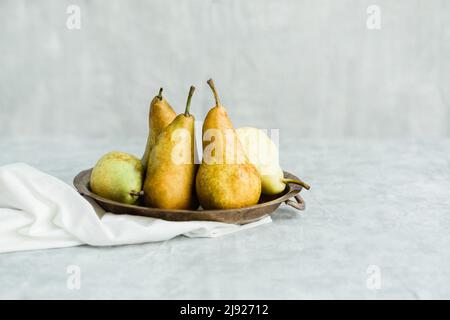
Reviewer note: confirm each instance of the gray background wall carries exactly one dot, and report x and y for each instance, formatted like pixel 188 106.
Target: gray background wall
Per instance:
pixel 311 68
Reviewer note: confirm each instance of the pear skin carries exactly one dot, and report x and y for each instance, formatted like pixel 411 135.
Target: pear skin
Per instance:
pixel 170 179
pixel 161 115
pixel 118 176
pixel 220 183
pixel 227 186
pixel 263 153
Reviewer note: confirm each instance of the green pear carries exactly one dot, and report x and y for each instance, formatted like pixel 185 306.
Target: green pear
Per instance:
pixel 225 179
pixel 170 179
pixel 263 153
pixel 118 176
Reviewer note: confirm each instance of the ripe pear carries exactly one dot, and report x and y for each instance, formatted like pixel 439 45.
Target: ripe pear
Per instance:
pixel 161 115
pixel 262 152
pixel 225 179
pixel 170 179
pixel 118 176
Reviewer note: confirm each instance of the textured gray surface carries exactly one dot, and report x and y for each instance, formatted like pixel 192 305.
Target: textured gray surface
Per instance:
pixel 310 68
pixel 371 203
pixel 304 66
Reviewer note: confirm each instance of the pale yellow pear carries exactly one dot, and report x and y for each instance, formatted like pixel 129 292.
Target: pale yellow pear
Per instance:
pixel 263 153
pixel 225 179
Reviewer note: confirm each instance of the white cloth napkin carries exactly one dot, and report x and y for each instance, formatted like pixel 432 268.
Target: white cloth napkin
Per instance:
pixel 38 211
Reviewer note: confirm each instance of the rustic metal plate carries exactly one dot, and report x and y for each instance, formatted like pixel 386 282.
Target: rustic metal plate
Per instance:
pixel 266 205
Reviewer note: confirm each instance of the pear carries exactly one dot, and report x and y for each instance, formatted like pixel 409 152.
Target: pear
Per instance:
pixel 161 115
pixel 262 152
pixel 225 179
pixel 170 179
pixel 118 176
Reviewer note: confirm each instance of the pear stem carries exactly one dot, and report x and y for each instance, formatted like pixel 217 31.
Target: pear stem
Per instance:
pixel 299 182
pixel 188 102
pixel 160 94
pixel 213 88
pixel 136 194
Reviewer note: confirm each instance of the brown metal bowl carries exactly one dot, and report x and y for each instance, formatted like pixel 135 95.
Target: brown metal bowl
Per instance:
pixel 266 205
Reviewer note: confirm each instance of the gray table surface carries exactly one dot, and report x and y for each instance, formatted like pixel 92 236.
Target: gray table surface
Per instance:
pixel 372 203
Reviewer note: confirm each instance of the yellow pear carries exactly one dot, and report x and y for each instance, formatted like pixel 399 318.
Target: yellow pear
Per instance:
pixel 161 115
pixel 170 179
pixel 225 179
pixel 118 176
pixel 263 153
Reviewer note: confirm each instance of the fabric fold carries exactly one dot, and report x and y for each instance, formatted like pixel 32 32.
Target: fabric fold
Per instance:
pixel 39 211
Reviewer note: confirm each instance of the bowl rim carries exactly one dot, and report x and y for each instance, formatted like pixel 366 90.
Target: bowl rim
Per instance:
pixel 81 183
